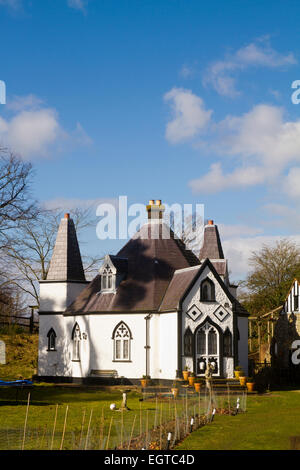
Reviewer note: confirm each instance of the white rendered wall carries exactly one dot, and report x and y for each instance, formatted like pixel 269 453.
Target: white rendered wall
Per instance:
pixel 96 351
pixel 168 350
pixel 53 363
pixel 57 296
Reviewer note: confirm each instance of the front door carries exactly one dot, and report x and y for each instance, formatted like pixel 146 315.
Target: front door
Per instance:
pixel 207 349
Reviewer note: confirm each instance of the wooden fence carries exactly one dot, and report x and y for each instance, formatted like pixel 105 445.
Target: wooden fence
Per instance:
pixel 25 322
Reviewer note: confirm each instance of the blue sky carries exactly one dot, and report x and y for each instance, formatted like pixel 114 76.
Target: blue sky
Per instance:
pixel 187 101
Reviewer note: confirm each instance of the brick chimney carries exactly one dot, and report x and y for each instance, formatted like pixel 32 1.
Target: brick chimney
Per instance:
pixel 155 209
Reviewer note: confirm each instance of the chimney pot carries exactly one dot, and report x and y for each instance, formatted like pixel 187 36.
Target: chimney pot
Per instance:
pixel 210 222
pixel 67 215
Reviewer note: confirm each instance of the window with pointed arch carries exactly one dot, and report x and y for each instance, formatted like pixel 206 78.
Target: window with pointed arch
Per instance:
pixel 188 342
pixel 107 278
pixel 76 339
pixel 227 343
pixel 207 291
pixel 122 343
pixel 51 340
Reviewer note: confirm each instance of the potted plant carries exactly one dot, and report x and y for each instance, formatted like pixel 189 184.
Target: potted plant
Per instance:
pixel 145 381
pixel 185 373
pixel 243 380
pixel 191 379
pixel 250 384
pixel 174 389
pixel 197 385
pixel 237 372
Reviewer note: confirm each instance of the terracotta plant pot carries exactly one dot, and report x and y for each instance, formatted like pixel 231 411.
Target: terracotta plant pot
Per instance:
pixel 191 381
pixel 250 386
pixel 197 386
pixel 174 391
pixel 185 375
pixel 243 381
pixel 237 374
pixel 144 383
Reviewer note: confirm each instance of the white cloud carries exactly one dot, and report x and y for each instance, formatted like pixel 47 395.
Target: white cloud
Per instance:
pixel 264 143
pixel 30 133
pixel 263 134
pixel 33 130
pixel 78 5
pixel 239 230
pixel 238 250
pixel 220 73
pixel 215 180
pixel 291 183
pixel 189 115
pixel 18 103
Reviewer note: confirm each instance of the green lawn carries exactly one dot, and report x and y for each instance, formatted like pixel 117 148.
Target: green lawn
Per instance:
pixel 81 402
pixel 269 422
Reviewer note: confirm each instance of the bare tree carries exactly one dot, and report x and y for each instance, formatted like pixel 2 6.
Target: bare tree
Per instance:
pixel 16 203
pixel 31 252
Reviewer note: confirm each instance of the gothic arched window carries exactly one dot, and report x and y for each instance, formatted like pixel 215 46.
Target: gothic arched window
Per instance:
pixel 227 343
pixel 76 338
pixel 122 338
pixel 51 340
pixel 107 279
pixel 188 342
pixel 207 291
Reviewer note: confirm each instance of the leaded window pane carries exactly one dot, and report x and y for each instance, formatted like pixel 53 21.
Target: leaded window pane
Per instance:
pixel 212 342
pixel 118 349
pixel 201 342
pixel 125 349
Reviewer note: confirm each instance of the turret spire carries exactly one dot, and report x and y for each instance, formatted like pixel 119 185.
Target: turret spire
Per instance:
pixel 66 263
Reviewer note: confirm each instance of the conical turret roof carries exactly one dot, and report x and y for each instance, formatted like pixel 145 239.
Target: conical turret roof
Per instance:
pixel 66 263
pixel 212 247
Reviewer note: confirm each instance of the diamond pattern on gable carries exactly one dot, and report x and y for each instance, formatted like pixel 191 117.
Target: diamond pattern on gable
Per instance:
pixel 194 313
pixel 221 313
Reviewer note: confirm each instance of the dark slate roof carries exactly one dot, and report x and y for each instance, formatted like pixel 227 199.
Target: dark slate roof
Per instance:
pixel 182 282
pixel 220 266
pixel 66 263
pixel 121 264
pixel 152 260
pixel 211 247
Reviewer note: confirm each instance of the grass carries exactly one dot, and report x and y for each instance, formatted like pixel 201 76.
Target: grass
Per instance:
pixel 21 354
pixel 81 401
pixel 269 422
pixel 42 410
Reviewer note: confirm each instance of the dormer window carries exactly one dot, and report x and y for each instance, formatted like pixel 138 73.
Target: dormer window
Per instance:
pixel 112 272
pixel 107 278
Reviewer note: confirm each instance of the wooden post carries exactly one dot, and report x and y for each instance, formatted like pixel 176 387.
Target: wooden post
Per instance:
pixel 250 336
pixel 25 424
pixel 88 430
pixel 64 429
pixel 54 426
pixel 108 437
pixel 131 432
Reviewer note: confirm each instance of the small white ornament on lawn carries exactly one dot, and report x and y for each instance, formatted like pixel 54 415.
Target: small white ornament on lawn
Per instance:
pixel 112 406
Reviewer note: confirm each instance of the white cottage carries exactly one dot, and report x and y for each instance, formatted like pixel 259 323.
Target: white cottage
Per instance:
pixel 153 309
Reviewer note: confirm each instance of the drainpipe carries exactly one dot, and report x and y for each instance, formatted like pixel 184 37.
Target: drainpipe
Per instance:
pixel 147 347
